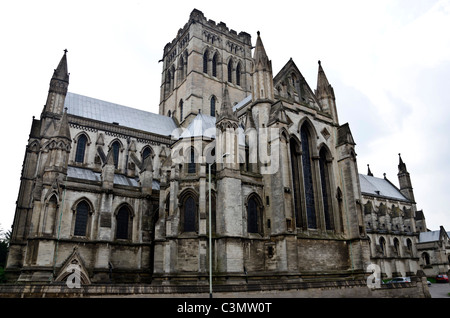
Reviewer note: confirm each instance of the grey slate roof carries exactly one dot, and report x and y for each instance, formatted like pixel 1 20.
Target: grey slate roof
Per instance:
pixel 243 102
pixel 87 174
pixel 201 125
pixel 432 236
pixel 380 187
pixel 96 109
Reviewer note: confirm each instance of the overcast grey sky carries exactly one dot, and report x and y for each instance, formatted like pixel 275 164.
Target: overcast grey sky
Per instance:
pixel 388 61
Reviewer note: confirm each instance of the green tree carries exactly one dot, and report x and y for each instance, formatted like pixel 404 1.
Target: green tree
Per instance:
pixel 4 245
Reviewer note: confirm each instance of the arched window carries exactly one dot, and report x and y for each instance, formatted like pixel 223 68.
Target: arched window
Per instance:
pixel 396 247
pixel 213 106
pixel 205 62
pixel 190 213
pixel 252 211
pixel 382 246
pixel 123 223
pixel 426 259
pixel 295 167
pixel 191 164
pixel 147 152
pixel 230 71
pixel 81 148
pixel 254 215
pixel 81 219
pixel 116 149
pixel 308 178
pixel 172 77
pixel 214 65
pixel 238 74
pixel 409 247
pixel 326 189
pixel 181 110
pixel 51 215
pixel 181 68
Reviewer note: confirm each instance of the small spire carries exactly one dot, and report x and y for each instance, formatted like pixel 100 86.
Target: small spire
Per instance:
pixel 322 82
pixel 260 56
pixel 64 129
pixel 401 165
pixel 61 72
pixel 226 111
pixel 369 173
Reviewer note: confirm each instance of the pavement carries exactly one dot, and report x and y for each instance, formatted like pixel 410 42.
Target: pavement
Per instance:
pixel 440 290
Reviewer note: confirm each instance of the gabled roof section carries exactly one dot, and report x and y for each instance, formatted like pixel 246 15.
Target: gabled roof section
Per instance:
pixel 381 188
pixel 291 68
pixel 96 109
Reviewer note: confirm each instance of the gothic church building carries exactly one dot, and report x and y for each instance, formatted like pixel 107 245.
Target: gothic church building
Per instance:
pixel 127 194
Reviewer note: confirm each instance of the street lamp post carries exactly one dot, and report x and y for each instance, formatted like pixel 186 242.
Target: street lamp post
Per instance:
pixel 210 224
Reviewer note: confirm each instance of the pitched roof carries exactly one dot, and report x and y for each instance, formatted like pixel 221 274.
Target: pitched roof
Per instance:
pixel 205 126
pixel 201 125
pixel 87 174
pixel 380 188
pixel 432 236
pixel 100 110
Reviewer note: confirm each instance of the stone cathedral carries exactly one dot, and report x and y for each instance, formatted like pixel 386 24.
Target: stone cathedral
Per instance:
pixel 259 161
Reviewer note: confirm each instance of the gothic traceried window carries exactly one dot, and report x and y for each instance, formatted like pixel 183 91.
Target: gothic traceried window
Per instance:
pixel 81 219
pixel 308 179
pixel 81 148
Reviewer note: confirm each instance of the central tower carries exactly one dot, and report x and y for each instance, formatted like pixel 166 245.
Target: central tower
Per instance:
pixel 198 63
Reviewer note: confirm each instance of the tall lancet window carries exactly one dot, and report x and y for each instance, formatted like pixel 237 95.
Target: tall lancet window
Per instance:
pixel 181 110
pixel 295 166
pixel 81 219
pixel 205 62
pixel 190 211
pixel 116 149
pixel 213 106
pixel 191 163
pixel 326 189
pixel 81 148
pixel 230 71
pixel 214 65
pixel 238 74
pixel 308 178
